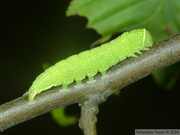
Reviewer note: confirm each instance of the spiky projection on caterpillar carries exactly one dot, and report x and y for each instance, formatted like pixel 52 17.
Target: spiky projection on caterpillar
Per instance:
pixel 90 62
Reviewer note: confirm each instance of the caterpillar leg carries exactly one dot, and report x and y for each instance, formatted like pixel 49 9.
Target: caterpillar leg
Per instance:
pixel 139 52
pixel 91 79
pixel 146 49
pixel 103 74
pixel 64 86
pixel 134 55
pixel 78 83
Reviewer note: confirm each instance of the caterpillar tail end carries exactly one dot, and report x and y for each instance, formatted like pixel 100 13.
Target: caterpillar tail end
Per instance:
pixel 32 95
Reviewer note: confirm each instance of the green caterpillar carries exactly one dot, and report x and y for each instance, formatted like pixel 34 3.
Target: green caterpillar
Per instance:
pixel 90 62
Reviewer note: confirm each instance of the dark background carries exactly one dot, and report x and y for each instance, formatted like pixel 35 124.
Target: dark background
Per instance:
pixel 37 32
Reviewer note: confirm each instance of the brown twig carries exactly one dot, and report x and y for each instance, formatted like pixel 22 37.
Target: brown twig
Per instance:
pixel 119 76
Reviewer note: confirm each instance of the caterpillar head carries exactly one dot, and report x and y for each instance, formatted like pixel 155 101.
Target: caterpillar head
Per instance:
pixel 32 94
pixel 147 39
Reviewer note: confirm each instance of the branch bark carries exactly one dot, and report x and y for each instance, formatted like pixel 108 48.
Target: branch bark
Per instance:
pixel 89 110
pixel 161 55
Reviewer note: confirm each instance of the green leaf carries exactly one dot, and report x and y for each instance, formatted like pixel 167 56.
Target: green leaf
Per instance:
pixel 167 77
pixel 107 17
pixel 61 118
